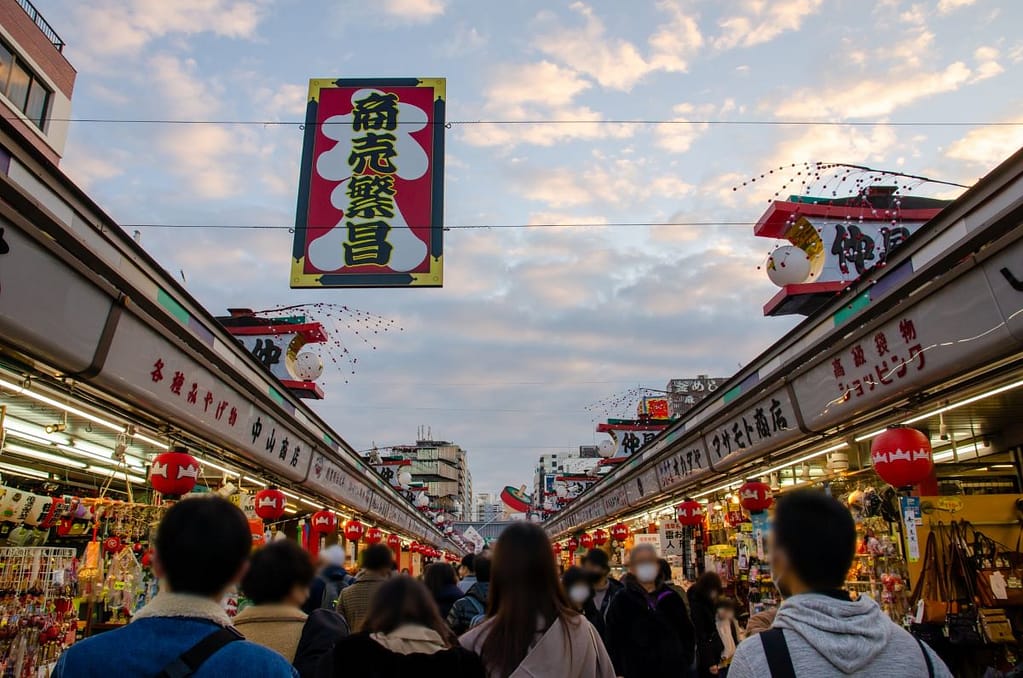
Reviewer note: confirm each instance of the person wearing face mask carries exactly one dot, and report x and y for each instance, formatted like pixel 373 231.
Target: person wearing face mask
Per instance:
pixel 820 630
pixel 703 597
pixel 580 591
pixel 649 634
pixel 598 566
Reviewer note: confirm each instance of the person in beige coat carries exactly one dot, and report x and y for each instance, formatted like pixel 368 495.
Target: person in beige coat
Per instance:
pixel 531 630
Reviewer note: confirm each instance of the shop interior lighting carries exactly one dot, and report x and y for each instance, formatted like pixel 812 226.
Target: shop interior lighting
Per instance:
pixel 36 432
pixel 55 428
pixel 107 457
pixel 150 441
pixel 23 451
pixel 947 408
pixel 965 449
pixel 250 479
pixel 1002 466
pixel 22 471
pixel 222 469
pixel 300 498
pixel 800 460
pixel 290 511
pixel 118 474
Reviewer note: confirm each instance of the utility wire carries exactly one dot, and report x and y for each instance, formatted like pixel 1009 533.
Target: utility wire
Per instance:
pixel 460 227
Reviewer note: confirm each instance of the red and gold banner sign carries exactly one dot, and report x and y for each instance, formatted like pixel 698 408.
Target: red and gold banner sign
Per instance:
pixel 370 200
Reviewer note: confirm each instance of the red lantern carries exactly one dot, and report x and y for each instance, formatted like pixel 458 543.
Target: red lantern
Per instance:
pixel 557 548
pixel 600 537
pixel 689 513
pixel 354 530
pixel 112 545
pixel 755 496
pixel 374 535
pixel 620 532
pixel 573 545
pixel 902 456
pixel 269 504
pixel 394 541
pixel 414 547
pixel 174 473
pixel 586 540
pixel 323 521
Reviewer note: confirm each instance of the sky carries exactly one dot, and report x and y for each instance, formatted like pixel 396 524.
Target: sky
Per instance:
pixel 532 324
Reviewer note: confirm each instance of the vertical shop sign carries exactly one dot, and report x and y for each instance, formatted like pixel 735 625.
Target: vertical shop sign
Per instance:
pixel 370 201
pixel 673 539
pixel 648 539
pixel 911 518
pixel 760 528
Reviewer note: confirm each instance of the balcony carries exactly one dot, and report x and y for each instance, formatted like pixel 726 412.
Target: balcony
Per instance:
pixel 43 25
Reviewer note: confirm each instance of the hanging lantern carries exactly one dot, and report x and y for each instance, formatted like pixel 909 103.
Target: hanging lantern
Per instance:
pixel 586 540
pixel 755 496
pixel 557 548
pixel 112 545
pixel 573 545
pixel 323 521
pixel 174 473
pixel 269 504
pixel 414 547
pixel 689 512
pixel 600 537
pixel 354 530
pixel 620 532
pixel 902 456
pixel 394 541
pixel 374 535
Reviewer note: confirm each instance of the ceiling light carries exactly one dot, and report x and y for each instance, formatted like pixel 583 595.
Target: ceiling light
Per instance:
pixel 33 431
pixel 100 454
pixel 254 481
pixel 22 471
pixel 20 390
pixel 222 469
pixel 43 456
pixel 107 472
pixel 808 457
pixel 149 441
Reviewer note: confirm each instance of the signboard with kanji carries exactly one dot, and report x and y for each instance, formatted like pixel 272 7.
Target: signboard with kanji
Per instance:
pixel 371 200
pixel 673 539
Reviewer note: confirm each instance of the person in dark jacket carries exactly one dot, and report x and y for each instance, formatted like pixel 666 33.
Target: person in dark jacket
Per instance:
pixel 403 635
pixel 605 588
pixel 649 634
pixel 579 590
pixel 440 578
pixel 330 580
pixel 703 597
pixel 319 635
pixel 473 605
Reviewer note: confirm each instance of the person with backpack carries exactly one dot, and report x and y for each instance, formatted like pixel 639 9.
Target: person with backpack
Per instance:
pixel 442 581
pixel 467 572
pixel 820 629
pixel 202 547
pixel 649 633
pixel 472 608
pixel 330 580
pixel 377 567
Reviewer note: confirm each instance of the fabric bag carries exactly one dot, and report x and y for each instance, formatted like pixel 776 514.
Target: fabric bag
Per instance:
pixel 996 626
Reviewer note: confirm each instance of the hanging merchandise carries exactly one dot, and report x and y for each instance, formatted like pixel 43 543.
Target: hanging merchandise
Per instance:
pixel 174 473
pixel 902 456
pixel 269 504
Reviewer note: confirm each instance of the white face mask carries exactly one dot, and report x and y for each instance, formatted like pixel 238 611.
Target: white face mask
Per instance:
pixel 579 594
pixel 647 572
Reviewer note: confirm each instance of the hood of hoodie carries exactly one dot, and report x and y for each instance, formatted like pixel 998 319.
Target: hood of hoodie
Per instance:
pixel 411 639
pixel 848 634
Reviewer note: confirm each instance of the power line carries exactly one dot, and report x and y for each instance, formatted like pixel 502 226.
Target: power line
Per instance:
pixel 460 227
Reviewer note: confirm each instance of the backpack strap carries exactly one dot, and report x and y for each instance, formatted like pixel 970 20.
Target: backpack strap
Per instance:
pixel 927 657
pixel 777 652
pixel 189 661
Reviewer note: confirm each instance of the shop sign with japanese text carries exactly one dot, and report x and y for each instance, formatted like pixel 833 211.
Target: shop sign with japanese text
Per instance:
pixel 371 201
pixel 673 539
pixel 768 423
pixel 956 326
pixel 614 501
pixel 641 487
pixel 1005 275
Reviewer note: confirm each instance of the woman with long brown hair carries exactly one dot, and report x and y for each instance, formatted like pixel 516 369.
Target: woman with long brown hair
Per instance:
pixel 531 628
pixel 403 635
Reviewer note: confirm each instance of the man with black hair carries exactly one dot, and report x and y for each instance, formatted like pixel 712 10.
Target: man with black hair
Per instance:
pixel 598 566
pixel 377 567
pixel 466 572
pixel 470 609
pixel 820 630
pixel 201 550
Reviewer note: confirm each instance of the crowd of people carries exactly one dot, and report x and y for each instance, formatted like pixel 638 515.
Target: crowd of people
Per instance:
pixel 509 614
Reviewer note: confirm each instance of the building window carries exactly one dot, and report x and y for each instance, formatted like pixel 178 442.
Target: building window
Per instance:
pixel 23 88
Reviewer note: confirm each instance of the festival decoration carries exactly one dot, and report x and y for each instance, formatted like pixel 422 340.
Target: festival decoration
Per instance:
pixel 620 532
pixel 755 496
pixel 323 522
pixel 573 545
pixel 174 473
pixel 689 513
pixel 600 537
pixel 112 545
pixel 394 541
pixel 374 535
pixel 557 548
pixel 788 265
pixel 586 540
pixel 902 456
pixel 354 530
pixel 269 504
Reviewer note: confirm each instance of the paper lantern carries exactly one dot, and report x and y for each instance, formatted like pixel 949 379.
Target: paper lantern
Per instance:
pixel 902 456
pixel 557 548
pixel 756 496
pixel 689 512
pixel 586 540
pixel 620 532
pixel 354 530
pixel 394 541
pixel 414 547
pixel 174 473
pixel 112 545
pixel 323 521
pixel 600 537
pixel 374 535
pixel 788 265
pixel 269 504
pixel 573 545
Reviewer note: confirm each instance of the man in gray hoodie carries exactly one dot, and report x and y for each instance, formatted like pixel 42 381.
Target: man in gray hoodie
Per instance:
pixel 821 630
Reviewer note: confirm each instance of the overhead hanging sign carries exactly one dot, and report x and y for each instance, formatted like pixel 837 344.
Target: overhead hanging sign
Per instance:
pixel 371 192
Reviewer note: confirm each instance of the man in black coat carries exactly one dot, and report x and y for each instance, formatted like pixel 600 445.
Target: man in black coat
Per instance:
pixel 649 634
pixel 605 589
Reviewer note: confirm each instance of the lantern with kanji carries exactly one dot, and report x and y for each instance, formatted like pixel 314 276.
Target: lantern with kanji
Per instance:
pixel 902 456
pixel 354 530
pixel 689 513
pixel 573 545
pixel 394 541
pixel 600 537
pixel 620 532
pixel 323 522
pixel 755 496
pixel 374 535
pixel 269 503
pixel 174 473
pixel 414 547
pixel 557 548
pixel 586 540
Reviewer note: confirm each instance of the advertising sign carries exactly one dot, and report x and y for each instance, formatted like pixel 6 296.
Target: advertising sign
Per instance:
pixel 673 539
pixel 371 200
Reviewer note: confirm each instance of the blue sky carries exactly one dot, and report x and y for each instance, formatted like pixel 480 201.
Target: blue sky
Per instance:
pixel 532 325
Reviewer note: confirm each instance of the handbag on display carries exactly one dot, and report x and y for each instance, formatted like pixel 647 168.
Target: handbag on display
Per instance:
pixel 962 619
pixel 996 626
pixel 929 596
pixel 998 570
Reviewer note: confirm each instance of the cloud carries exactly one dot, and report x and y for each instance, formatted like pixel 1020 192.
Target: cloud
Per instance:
pixel 678 135
pixel 616 63
pixel 987 62
pixel 949 6
pixel 987 147
pixel 761 22
pixel 414 11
